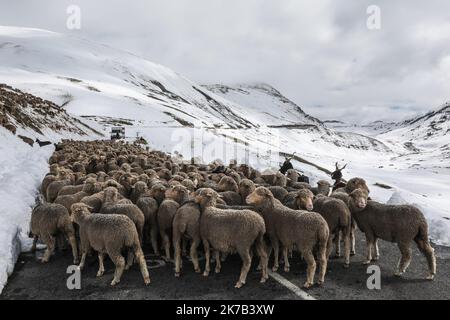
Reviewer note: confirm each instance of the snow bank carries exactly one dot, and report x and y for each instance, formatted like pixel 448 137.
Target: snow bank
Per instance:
pixel 21 170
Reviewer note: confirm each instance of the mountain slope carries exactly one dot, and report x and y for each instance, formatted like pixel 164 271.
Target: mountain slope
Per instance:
pixel 266 103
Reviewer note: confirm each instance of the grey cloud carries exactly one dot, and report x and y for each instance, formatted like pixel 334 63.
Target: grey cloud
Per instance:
pixel 317 55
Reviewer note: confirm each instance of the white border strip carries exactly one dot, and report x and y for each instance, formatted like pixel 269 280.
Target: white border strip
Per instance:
pixel 292 287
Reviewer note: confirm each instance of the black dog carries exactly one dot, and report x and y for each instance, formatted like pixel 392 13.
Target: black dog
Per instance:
pixel 43 143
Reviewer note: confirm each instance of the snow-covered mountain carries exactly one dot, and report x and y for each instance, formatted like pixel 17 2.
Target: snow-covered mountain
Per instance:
pixel 266 103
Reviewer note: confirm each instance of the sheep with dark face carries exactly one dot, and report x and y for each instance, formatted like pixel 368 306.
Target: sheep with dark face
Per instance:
pixel 400 224
pixel 109 234
pixel 337 215
pixel 306 230
pixel 228 231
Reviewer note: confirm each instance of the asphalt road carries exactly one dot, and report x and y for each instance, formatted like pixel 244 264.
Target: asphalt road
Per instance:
pixel 34 280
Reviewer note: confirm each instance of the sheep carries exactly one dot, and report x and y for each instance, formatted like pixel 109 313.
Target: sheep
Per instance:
pixel 46 182
pixel 400 224
pixel 278 192
pixel 54 187
pixel 292 176
pixel 353 184
pixel 306 230
pixel 175 196
pixel 228 231
pixel 110 206
pixel 323 187
pixel 47 220
pixel 149 205
pixel 94 201
pixel 109 234
pixel 345 198
pixel 186 224
pixel 68 190
pixel 138 189
pixel 227 183
pixel 246 187
pixel 290 200
pixel 231 198
pixel 337 215
pixel 89 188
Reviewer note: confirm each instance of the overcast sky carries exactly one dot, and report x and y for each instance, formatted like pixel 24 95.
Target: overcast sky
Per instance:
pixel 318 53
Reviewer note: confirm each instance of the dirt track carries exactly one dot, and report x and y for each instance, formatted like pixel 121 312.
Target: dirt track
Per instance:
pixel 33 280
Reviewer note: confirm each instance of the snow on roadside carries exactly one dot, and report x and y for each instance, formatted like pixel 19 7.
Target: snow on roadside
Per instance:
pixel 22 168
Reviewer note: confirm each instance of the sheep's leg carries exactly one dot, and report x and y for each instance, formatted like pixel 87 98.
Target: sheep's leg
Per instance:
pixel 377 251
pixel 426 249
pixel 154 239
pixel 246 263
pixel 73 244
pixel 83 260
pixel 194 254
pixel 347 235
pixel 119 262
pixel 207 258
pixel 287 266
pixel 369 244
pixel 329 245
pixel 50 242
pixel 184 250
pixel 177 254
pixel 311 267
pixel 166 244
pixel 33 247
pixel 276 250
pixel 142 264
pixel 323 262
pixel 405 259
pixel 337 244
pixel 130 259
pixel 101 267
pixel 353 239
pixel 263 259
pixel 218 262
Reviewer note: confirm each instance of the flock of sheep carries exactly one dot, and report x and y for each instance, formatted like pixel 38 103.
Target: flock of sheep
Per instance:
pixel 112 197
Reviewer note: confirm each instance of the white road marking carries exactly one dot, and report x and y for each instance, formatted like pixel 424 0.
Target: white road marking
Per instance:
pixel 289 285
